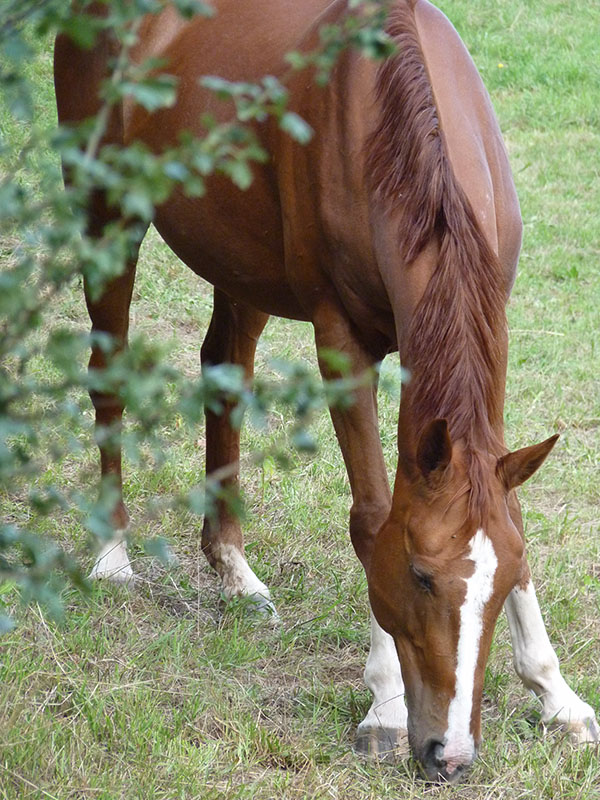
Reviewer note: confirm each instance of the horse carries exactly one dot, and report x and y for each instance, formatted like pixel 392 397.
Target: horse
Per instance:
pixel 397 228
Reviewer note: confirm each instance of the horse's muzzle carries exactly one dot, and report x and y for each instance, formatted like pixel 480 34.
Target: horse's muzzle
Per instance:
pixel 435 766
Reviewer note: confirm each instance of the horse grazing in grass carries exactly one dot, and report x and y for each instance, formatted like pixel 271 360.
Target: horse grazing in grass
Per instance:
pixel 396 228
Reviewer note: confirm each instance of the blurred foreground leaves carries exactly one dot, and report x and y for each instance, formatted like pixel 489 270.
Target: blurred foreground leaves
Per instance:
pixel 45 249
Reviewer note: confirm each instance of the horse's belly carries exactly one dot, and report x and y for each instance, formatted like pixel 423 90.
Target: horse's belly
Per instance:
pixel 233 239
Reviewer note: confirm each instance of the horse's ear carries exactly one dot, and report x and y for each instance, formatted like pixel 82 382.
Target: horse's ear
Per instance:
pixel 515 468
pixel 434 450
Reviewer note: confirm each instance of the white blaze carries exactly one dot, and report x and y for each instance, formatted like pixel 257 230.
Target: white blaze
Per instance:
pixel 459 744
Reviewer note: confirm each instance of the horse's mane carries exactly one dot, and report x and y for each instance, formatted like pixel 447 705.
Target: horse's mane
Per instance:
pixel 456 341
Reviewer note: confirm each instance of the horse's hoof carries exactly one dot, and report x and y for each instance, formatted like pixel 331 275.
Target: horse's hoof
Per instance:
pixel 264 606
pixel 382 744
pixel 112 563
pixel 586 731
pixel 258 605
pixel 123 576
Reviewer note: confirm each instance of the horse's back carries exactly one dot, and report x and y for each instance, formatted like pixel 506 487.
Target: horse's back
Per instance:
pixel 243 41
pixel 302 229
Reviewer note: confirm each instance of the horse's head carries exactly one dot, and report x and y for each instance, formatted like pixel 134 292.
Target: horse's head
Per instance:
pixel 440 573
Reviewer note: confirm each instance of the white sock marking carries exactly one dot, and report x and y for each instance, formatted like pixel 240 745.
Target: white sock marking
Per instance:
pixel 112 561
pixel 459 745
pixel 537 665
pixel 238 579
pixel 384 678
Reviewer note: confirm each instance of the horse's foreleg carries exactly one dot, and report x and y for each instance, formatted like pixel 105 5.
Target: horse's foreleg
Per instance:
pixel 231 338
pixel 357 431
pixel 537 665
pixel 383 731
pixel 110 314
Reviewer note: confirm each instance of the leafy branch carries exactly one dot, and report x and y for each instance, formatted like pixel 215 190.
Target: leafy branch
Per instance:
pixel 46 249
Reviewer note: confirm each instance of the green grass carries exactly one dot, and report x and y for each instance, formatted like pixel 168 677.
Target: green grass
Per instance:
pixel 159 692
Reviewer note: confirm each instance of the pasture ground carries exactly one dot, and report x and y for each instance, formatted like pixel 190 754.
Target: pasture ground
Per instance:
pixel 158 692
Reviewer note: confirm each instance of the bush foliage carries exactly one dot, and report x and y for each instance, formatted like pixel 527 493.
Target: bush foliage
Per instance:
pixel 46 250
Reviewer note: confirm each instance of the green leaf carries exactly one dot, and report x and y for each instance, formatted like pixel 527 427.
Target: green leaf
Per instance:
pixel 190 8
pixel 223 88
pixel 6 624
pixel 335 361
pixel 297 128
pixel 240 173
pixel 303 441
pixel 176 170
pixel 152 93
pixel 137 203
pixel 296 60
pixel 83 29
pixel 159 548
pixel 14 47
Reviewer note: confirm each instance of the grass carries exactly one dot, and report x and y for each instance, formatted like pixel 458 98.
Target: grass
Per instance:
pixel 160 693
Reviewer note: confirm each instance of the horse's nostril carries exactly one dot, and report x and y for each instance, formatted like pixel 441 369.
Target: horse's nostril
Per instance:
pixel 434 754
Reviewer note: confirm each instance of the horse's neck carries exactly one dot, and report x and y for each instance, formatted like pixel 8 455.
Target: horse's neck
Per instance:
pixel 486 436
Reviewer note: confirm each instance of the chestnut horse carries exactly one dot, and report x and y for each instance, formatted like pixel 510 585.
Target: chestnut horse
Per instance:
pixel 396 228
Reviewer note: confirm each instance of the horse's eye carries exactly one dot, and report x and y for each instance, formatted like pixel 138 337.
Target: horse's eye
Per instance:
pixel 424 580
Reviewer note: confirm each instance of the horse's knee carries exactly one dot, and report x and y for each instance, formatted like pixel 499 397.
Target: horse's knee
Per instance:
pixel 366 518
